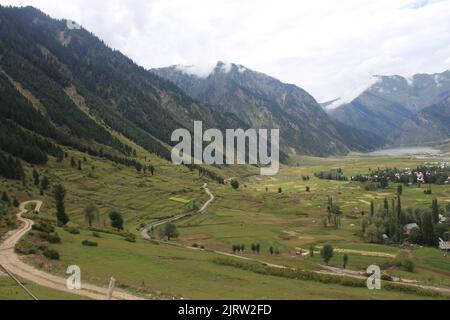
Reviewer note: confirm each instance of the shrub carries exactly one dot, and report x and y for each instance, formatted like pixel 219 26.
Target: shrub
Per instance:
pixel 25 247
pixel 235 184
pixel 88 243
pixel 51 254
pixel 96 235
pixel 407 265
pixel 50 237
pixel 43 226
pixel 72 229
pixel 130 238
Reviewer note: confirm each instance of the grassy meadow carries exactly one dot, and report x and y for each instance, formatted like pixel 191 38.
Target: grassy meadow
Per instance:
pixel 290 221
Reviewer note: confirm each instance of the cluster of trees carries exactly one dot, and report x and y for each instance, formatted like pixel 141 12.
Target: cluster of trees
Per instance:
pixel 255 247
pixel 238 248
pixel 26 145
pixel 6 201
pixel 11 168
pixel 431 175
pixel 388 223
pixel 336 175
pixel 203 172
pixel 43 183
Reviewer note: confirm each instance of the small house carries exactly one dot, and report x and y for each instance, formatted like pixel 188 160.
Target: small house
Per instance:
pixel 444 245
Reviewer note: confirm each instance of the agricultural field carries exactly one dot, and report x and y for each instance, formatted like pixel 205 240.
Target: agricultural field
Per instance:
pixel 275 212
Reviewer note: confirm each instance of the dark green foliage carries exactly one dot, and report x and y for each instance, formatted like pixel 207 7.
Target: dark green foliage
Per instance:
pixel 130 238
pixel 116 220
pixel 345 259
pixel 45 183
pixel 5 197
pixel 59 193
pixel 50 237
pixel 88 243
pixel 36 177
pixel 169 231
pixel 435 211
pixel 327 253
pixel 11 168
pixel 24 144
pixel 235 184
pixel 25 247
pixel 336 174
pixel 427 228
pixel 43 226
pixel 72 229
pixel 407 265
pixel 51 254
pixel 16 202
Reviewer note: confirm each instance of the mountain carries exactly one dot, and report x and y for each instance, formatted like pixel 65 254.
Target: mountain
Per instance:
pixel 261 101
pixel 66 86
pixel 405 111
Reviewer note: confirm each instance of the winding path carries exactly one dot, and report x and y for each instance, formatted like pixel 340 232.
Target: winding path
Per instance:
pixel 144 231
pixel 10 261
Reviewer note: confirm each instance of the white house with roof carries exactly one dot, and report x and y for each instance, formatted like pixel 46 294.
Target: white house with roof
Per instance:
pixel 444 245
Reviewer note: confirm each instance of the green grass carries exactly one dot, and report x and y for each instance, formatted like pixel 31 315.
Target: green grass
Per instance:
pixel 180 200
pixel 287 221
pixel 10 290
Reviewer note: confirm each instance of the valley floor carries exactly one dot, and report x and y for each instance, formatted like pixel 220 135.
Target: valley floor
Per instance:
pixel 290 222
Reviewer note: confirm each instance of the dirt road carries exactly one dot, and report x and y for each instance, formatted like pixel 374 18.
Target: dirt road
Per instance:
pixel 144 231
pixel 13 263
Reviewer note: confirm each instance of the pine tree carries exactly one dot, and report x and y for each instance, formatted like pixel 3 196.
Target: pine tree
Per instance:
pixel 45 183
pixel 435 211
pixel 5 197
pixel 59 192
pixel 372 209
pixel 36 177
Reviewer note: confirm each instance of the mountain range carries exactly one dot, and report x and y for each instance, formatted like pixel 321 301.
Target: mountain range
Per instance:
pixel 404 111
pixel 64 86
pixel 261 101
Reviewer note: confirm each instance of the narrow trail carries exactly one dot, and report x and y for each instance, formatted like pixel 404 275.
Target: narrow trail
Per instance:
pixel 144 231
pixel 13 263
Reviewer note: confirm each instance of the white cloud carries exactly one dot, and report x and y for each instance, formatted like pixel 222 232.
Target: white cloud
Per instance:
pixel 331 48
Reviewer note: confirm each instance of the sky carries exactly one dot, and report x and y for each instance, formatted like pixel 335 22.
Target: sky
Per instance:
pixel 330 48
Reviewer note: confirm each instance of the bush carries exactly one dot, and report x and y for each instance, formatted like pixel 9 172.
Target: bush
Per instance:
pixel 96 235
pixel 88 243
pixel 407 265
pixel 72 229
pixel 235 184
pixel 50 237
pixel 25 247
pixel 43 226
pixel 130 238
pixel 51 254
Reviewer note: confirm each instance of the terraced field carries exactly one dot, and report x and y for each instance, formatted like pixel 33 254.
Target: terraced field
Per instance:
pixel 290 221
